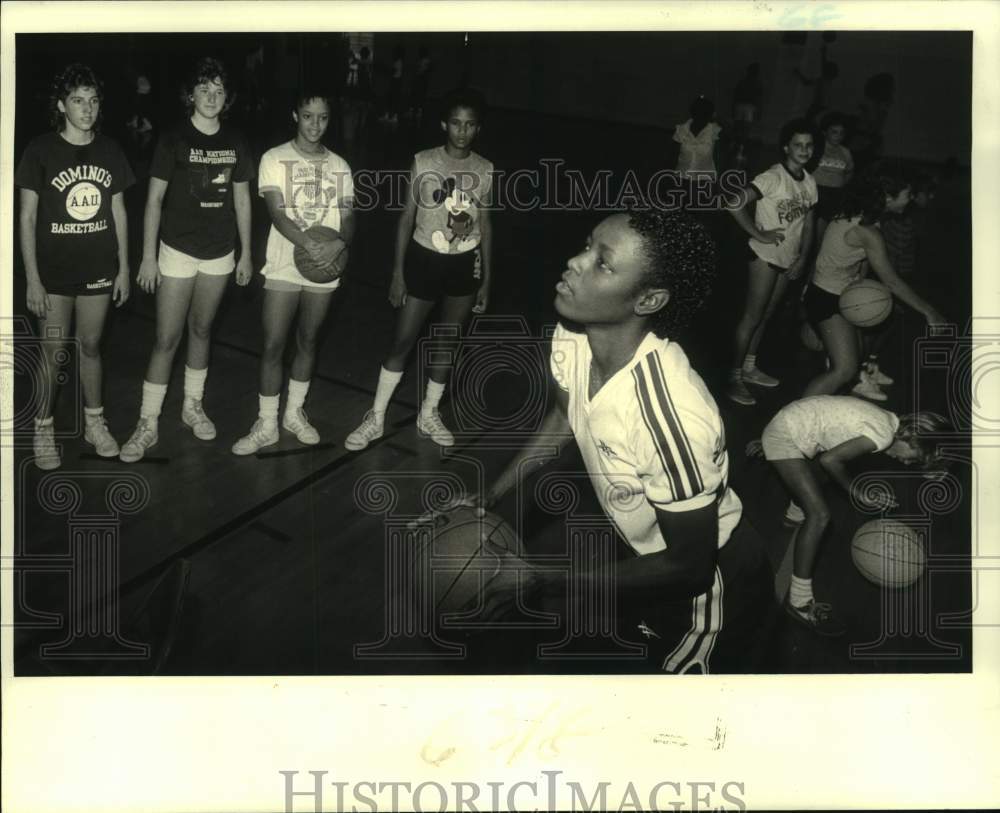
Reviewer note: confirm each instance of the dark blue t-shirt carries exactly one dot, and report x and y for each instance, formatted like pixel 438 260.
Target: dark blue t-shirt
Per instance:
pixel 198 214
pixel 75 232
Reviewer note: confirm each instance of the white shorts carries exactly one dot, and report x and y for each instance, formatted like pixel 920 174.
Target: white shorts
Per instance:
pixel 778 442
pixel 177 264
pixel 274 284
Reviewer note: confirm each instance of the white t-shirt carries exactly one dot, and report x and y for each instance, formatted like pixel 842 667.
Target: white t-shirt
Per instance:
pixel 312 189
pixel 696 150
pixel 822 422
pixel 651 436
pixel 784 203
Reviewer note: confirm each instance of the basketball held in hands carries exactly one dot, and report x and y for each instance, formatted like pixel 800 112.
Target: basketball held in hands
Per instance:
pixel 313 271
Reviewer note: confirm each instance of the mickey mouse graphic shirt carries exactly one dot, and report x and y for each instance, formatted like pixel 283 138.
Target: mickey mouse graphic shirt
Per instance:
pixel 75 232
pixel 198 214
pixel 450 193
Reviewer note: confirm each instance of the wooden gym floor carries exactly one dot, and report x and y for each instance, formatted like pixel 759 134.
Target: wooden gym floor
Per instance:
pixel 287 573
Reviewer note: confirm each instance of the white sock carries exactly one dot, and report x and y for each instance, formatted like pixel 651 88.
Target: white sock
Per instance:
pixel 801 591
pixel 296 394
pixel 41 422
pixel 152 400
pixel 93 414
pixel 432 397
pixel 750 361
pixel 387 383
pixel 194 383
pixel 268 408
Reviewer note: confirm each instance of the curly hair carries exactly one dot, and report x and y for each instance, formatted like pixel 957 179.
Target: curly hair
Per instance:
pixel 206 69
pixel 463 97
pixel 792 128
pixel 922 430
pixel 865 194
pixel 834 119
pixel 682 259
pixel 76 75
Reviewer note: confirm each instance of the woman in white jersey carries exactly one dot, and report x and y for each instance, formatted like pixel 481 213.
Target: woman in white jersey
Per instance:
pixel 853 243
pixel 780 239
pixel 304 184
pixel 653 443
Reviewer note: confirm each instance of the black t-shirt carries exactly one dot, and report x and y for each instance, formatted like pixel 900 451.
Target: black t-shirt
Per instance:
pixel 198 214
pixel 75 232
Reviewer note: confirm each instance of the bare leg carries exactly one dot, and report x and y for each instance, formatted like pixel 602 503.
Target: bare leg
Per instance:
pixel 91 312
pixel 840 338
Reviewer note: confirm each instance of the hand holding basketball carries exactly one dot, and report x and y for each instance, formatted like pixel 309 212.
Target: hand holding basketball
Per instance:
pixel 324 257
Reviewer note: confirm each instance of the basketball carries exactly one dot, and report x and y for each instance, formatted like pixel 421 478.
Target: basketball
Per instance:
pixel 308 268
pixel 810 341
pixel 459 551
pixel 888 553
pixel 865 303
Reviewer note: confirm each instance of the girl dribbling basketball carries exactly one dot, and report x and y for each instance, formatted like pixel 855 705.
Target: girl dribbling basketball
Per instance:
pixel 851 244
pixel 834 430
pixel 199 199
pixel 74 242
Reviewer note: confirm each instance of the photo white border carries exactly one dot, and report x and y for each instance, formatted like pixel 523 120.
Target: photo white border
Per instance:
pixel 207 744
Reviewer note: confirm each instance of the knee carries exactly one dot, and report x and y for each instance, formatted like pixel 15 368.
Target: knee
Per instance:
pixel 90 347
pixel 305 343
pixel 199 330
pixel 274 349
pixel 818 515
pixel 166 342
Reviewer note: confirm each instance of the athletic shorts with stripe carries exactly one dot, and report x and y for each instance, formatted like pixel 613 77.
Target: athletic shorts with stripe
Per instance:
pixel 722 631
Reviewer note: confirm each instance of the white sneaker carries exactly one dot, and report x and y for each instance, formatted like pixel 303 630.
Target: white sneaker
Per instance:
pixel 144 437
pixel 433 427
pixel 97 435
pixel 262 433
pixel 371 428
pixel 298 424
pixel 44 446
pixel 757 376
pixel 737 391
pixel 794 515
pixel 194 416
pixel 866 388
pixel 878 377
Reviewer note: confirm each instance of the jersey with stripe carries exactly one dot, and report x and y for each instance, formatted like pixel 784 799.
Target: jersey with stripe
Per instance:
pixel 651 437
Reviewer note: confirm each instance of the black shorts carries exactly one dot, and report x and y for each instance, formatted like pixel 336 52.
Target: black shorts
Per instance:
pixel 831 198
pixel 820 305
pixel 429 274
pixel 93 287
pixel 720 631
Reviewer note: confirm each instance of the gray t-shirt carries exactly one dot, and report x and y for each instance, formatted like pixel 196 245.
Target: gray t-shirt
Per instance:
pixel 451 193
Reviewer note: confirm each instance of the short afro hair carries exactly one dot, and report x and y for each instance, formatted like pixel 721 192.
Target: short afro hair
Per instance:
pixel 76 75
pixel 682 260
pixel 467 97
